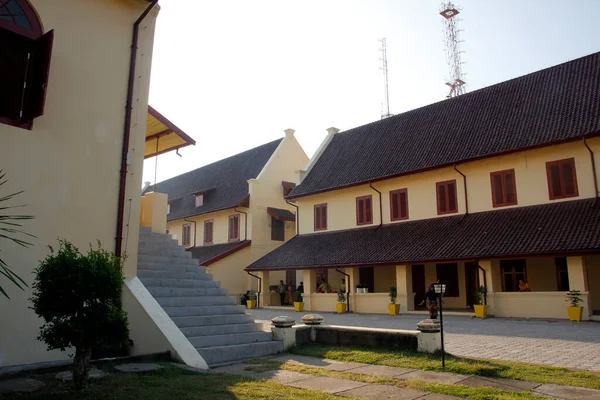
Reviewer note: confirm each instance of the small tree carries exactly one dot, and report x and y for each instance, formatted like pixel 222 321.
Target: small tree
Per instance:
pixel 480 295
pixel 79 298
pixel 574 297
pixel 341 298
pixel 393 295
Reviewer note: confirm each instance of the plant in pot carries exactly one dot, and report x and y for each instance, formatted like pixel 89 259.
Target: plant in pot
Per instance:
pixel 340 307
pixel 481 308
pixel 360 288
pixel 299 302
pixel 251 302
pixel 575 298
pixel 393 308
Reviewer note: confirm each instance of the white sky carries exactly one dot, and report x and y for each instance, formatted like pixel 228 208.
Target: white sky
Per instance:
pixel 233 74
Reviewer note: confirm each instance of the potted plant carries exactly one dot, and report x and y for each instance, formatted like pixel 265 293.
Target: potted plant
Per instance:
pixel 299 303
pixel 340 307
pixel 251 302
pixel 574 297
pixel 480 308
pixel 393 308
pixel 360 288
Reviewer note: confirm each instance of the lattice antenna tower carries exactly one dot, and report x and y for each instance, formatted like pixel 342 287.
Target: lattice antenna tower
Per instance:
pixel 385 108
pixel 456 80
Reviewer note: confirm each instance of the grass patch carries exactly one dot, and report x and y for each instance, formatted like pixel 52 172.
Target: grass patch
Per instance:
pixel 457 365
pixel 170 383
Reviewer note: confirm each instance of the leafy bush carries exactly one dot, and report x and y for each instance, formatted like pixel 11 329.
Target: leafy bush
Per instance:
pixel 480 295
pixel 393 294
pixel 574 298
pixel 341 298
pixel 79 298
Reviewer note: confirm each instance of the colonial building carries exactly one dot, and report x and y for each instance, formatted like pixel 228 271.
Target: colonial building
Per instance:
pixel 488 188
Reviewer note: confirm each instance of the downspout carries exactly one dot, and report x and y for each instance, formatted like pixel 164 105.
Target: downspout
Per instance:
pixel 380 205
pixel 480 268
pixel 259 288
pixel 127 128
pixel 297 217
pixel 245 222
pixel 347 288
pixel 195 231
pixel 465 185
pixel 593 172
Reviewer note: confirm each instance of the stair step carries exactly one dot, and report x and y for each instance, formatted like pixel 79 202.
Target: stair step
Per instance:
pixel 204 311
pixel 179 283
pixel 146 273
pixel 230 339
pixel 159 266
pixel 223 354
pixel 195 331
pixel 183 322
pixel 158 291
pixel 195 301
pixel 166 259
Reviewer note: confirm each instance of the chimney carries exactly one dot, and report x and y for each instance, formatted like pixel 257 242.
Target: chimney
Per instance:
pixel 332 130
pixel 146 185
pixel 289 132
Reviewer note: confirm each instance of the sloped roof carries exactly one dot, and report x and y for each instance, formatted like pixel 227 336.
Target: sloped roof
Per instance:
pixel 553 105
pixel 571 227
pixel 162 135
pixel 207 255
pixel 281 214
pixel 224 182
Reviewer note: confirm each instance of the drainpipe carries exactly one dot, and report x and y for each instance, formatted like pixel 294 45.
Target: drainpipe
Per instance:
pixel 593 172
pixel 127 128
pixel 195 231
pixel 297 217
pixel 259 288
pixel 245 222
pixel 347 288
pixel 465 185
pixel 480 268
pixel 380 206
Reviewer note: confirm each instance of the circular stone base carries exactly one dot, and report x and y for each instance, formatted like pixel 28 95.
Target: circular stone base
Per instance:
pixel 93 374
pixel 283 322
pixel 26 385
pixel 429 325
pixel 142 367
pixel 313 319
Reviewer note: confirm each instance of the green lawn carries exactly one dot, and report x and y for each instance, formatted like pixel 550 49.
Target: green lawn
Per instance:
pixel 457 365
pixel 171 383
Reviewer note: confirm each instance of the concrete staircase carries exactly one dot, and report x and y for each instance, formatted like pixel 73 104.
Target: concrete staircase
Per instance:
pixel 219 329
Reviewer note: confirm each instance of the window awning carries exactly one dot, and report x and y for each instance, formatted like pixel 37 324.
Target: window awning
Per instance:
pixel 161 131
pixel 281 214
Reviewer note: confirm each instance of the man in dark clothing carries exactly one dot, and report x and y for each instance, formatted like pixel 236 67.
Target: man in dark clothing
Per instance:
pixel 301 288
pixel 281 291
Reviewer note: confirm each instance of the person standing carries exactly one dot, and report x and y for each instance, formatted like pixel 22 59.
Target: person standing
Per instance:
pixel 301 288
pixel 431 298
pixel 281 291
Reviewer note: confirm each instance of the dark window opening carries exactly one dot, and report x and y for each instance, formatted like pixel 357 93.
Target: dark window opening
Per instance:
pixel 320 217
pixel 562 179
pixel 512 272
pixel 448 274
pixel 366 277
pixel 277 229
pixel 208 232
pixel 364 210
pixel 504 190
pixel 446 197
pixel 399 204
pixel 562 274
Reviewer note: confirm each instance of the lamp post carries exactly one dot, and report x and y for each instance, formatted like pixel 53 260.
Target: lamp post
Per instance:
pixel 440 289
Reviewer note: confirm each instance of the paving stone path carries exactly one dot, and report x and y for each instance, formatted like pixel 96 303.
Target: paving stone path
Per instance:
pixel 556 343
pixel 371 391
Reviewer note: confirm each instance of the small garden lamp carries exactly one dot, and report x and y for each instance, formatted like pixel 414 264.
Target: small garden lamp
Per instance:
pixel 440 290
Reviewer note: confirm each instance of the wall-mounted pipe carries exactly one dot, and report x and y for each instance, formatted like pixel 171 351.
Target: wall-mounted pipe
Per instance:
pixel 465 186
pixel 593 172
pixel 259 288
pixel 380 205
pixel 245 222
pixel 297 217
pixel 127 129
pixel 195 231
pixel 347 288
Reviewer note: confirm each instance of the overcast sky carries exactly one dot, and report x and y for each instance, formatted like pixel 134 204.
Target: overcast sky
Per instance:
pixel 233 74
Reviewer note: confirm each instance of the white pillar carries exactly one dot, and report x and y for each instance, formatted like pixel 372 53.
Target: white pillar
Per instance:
pixel 576 267
pixel 264 288
pixel 310 283
pixel 406 296
pixel 488 277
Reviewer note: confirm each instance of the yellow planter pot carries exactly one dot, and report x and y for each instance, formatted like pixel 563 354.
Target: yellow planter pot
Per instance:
pixel 575 313
pixel 298 306
pixel 251 303
pixel 394 309
pixel 480 311
pixel 340 307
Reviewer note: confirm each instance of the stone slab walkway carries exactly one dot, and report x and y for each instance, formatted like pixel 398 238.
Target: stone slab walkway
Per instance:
pixel 556 343
pixel 362 390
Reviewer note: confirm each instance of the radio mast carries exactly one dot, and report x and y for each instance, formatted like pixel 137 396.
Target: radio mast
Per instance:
pixel 456 80
pixel 385 111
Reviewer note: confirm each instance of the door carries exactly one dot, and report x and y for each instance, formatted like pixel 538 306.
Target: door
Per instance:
pixel 366 276
pixel 472 282
pixel 418 284
pixel 290 278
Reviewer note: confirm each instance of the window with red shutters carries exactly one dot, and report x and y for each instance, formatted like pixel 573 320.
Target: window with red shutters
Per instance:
pixel 504 189
pixel 234 227
pixel 562 179
pixel 208 232
pixel 364 210
pixel 186 235
pixel 321 217
pixel 399 204
pixel 447 202
pixel 277 229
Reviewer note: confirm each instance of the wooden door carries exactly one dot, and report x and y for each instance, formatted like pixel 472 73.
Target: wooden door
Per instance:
pixel 418 284
pixel 472 283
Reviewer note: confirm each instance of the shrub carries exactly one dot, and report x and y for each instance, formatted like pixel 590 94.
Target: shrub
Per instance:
pixel 341 298
pixel 79 298
pixel 393 294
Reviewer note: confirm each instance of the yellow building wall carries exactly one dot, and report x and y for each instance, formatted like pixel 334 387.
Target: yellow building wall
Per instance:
pixel 69 163
pixel 385 278
pixel 229 271
pixel 531 183
pixel 541 274
pixel 220 226
pixel 593 277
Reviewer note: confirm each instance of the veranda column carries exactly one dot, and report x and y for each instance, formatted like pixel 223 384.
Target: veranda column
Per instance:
pixel 351 287
pixel 578 281
pixel 310 283
pixel 488 277
pixel 405 297
pixel 264 288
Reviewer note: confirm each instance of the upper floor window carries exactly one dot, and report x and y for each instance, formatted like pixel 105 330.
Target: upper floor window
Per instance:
pixel 364 210
pixel 234 227
pixel 399 204
pixel 199 200
pixel 562 179
pixel 186 235
pixel 208 232
pixel 277 229
pixel 320 217
pixel 24 63
pixel 447 202
pixel 504 189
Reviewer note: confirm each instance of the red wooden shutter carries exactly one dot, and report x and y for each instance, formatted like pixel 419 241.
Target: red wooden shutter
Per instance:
pixel 497 192
pixel 317 217
pixel 37 77
pixel 568 175
pixel 451 192
pixel 510 188
pixel 394 202
pixel 361 212
pixel 324 217
pixel 555 181
pixel 368 210
pixel 403 204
